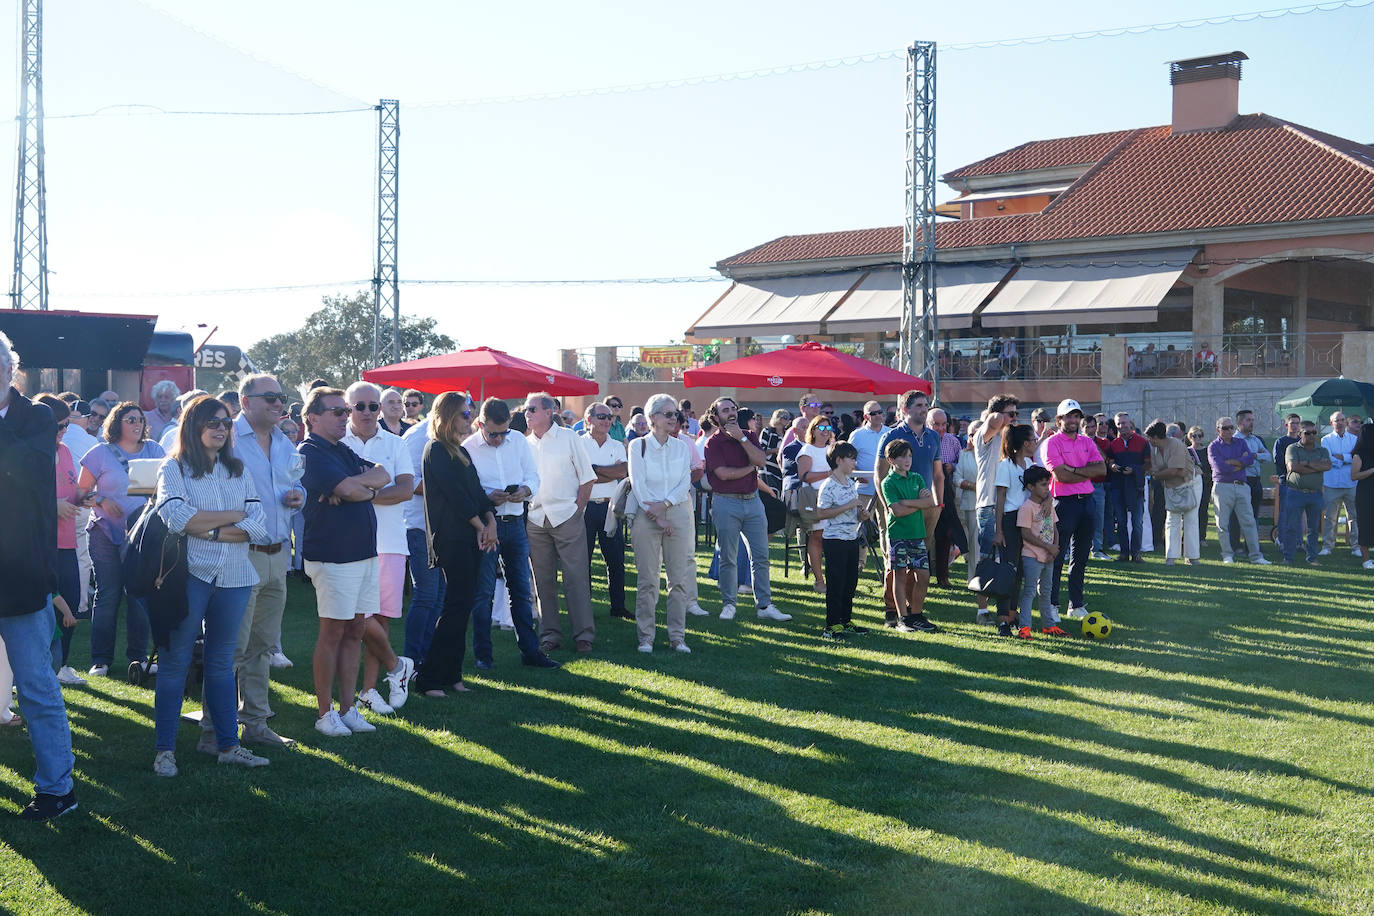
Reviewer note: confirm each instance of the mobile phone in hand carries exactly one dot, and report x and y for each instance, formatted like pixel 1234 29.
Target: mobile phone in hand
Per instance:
pixel 513 488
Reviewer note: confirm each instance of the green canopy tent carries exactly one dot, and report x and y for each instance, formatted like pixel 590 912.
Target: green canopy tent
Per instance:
pixel 1319 400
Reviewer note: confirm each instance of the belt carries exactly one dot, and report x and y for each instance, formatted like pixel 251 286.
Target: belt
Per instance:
pixel 269 549
pixel 1234 483
pixel 510 518
pixel 739 495
pixel 1074 496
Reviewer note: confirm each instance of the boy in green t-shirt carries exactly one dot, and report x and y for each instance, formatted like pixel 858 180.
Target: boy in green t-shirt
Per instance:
pixel 906 494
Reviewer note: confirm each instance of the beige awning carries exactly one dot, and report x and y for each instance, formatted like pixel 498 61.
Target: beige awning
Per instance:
pixel 775 306
pixel 876 304
pixel 1124 287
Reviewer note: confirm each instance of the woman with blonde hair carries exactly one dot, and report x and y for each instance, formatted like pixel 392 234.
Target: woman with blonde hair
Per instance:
pixel 460 523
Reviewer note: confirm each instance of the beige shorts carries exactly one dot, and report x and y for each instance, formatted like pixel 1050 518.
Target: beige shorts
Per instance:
pixel 344 590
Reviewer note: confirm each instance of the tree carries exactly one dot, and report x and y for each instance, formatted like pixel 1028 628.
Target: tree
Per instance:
pixel 336 344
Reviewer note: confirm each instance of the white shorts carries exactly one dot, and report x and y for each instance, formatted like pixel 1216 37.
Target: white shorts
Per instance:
pixel 344 590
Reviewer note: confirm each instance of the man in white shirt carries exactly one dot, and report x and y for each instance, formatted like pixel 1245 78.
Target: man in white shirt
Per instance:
pixel 697 461
pixel 865 439
pixel 505 467
pixel 79 441
pixel 275 466
pixel 557 533
pixel 427 585
pixel 372 443
pixel 1338 488
pixel 609 463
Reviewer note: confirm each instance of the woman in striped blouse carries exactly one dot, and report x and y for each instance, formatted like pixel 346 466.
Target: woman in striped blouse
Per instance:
pixel 203 492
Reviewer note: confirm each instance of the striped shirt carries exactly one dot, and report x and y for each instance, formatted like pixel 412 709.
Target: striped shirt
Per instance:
pixel 180 496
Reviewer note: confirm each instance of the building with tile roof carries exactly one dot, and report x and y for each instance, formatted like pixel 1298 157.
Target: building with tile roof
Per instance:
pixel 1220 246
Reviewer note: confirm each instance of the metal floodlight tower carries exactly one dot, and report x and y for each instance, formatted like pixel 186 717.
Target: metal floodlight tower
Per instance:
pixel 29 287
pixel 386 288
pixel 920 328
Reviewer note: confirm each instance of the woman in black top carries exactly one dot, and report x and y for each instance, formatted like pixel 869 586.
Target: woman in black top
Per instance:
pixel 1197 450
pixel 460 523
pixel 1362 472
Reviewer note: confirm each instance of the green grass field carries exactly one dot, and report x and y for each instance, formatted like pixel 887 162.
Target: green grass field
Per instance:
pixel 1216 755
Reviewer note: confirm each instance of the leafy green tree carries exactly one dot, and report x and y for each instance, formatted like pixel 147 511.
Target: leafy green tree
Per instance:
pixel 335 343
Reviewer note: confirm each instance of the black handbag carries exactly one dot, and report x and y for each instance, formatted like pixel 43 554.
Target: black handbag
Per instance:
pixel 992 577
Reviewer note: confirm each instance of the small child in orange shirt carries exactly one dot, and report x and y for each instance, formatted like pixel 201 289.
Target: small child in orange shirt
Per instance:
pixel 1039 546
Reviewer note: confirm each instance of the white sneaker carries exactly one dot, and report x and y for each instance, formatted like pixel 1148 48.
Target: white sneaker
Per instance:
pixel 354 721
pixel 152 669
pixel 1368 564
pixel 768 612
pixel 1099 555
pixel 1263 562
pixel 682 647
pixel 242 756
pixel 647 648
pixel 1228 560
pixel 165 764
pixel 70 678
pixel 1324 552
pixel 279 660
pixel 373 701
pixel 331 725
pixel 696 610
pixel 99 670
pixel 399 682
pixel 1076 613
pixel 1355 552
pixel 727 612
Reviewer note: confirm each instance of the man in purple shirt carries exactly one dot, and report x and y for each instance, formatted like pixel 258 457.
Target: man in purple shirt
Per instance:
pixel 1229 457
pixel 733 458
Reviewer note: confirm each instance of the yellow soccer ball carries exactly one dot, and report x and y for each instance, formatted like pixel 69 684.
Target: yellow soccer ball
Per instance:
pixel 1096 626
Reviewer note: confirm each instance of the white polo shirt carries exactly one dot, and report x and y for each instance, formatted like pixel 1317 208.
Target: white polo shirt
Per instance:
pixel 78 442
pixel 512 462
pixel 563 467
pixel 415 439
pixel 612 452
pixel 387 450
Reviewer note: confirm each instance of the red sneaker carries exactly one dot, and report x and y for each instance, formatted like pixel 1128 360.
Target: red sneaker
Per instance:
pixel 1024 633
pixel 1054 631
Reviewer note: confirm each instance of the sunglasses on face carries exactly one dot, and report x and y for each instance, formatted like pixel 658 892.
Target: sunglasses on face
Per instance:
pixel 467 415
pixel 1225 427
pixel 412 403
pixel 134 421
pixel 875 413
pixel 369 407
pixel 336 411
pixel 533 409
pixel 825 429
pixel 614 405
pixel 813 404
pixel 601 416
pixel 497 435
pixel 270 397
pixel 99 416
pixel 1309 432
pixel 218 423
pixel 62 427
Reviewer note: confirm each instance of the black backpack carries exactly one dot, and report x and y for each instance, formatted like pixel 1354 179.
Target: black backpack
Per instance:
pixel 155 570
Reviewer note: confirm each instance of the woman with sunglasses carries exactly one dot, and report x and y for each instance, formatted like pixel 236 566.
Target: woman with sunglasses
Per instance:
pixel 104 483
pixel 1197 450
pixel 203 492
pixel 812 469
pixel 460 523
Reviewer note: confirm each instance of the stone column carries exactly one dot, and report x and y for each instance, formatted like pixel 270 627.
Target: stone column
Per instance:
pixel 1113 360
pixel 1357 354
pixel 1208 313
pixel 607 372
pixel 1300 315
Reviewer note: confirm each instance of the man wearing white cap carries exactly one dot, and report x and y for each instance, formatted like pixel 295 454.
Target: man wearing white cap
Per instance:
pixel 1073 460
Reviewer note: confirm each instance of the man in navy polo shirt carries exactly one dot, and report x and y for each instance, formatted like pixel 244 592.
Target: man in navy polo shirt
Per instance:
pixel 340 555
pixel 925 457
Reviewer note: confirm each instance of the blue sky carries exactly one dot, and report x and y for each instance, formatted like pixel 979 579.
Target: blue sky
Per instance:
pixel 636 184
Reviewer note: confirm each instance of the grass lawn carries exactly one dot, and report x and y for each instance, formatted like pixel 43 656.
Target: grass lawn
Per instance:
pixel 1216 755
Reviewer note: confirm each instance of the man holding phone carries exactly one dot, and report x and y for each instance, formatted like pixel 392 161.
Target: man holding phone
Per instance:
pixel 506 469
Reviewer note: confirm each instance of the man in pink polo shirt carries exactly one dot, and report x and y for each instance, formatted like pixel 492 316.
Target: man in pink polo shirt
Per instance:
pixel 1073 460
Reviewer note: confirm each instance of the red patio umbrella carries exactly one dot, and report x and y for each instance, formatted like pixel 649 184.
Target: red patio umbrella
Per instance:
pixel 807 365
pixel 481 371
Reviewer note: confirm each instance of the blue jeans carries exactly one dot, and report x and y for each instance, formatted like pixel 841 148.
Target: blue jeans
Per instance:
pixel 1128 500
pixel 108 559
pixel 1100 507
pixel 1294 506
pixel 27 641
pixel 1037 577
pixel 733 517
pixel 69 587
pixel 426 597
pixel 513 553
pixel 987 529
pixel 221 609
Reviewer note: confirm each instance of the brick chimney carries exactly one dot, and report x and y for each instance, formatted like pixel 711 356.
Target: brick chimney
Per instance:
pixel 1206 91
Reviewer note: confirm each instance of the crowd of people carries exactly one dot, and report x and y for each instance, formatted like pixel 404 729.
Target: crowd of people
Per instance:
pixel 498 514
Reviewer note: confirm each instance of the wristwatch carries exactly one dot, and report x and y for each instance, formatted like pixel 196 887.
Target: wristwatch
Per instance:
pixel 214 534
